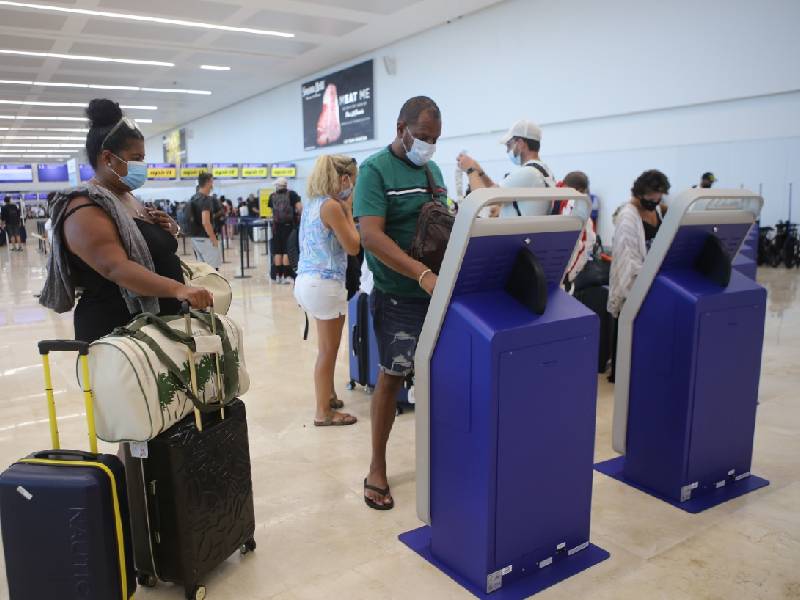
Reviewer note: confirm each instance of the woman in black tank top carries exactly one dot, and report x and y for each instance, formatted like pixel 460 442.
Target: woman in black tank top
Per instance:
pixel 115 284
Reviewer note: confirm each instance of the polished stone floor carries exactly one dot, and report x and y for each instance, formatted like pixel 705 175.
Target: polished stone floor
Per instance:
pixel 317 539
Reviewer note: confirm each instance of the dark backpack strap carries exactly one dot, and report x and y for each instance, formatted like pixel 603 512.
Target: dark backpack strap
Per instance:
pixel 431 184
pixel 541 170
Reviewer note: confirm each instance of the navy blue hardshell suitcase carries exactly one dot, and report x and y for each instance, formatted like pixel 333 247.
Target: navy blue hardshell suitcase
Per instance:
pixel 64 516
pixel 364 360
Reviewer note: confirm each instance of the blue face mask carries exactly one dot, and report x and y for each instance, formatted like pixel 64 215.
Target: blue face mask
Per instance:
pixel 515 158
pixel 137 173
pixel 345 194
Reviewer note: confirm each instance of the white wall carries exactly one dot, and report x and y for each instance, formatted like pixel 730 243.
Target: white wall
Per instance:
pixel 618 86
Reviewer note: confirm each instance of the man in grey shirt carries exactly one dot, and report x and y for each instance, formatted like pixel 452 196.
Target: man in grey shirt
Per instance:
pixel 522 143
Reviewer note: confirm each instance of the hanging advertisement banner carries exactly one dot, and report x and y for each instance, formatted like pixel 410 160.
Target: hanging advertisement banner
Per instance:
pixel 86 172
pixel 339 108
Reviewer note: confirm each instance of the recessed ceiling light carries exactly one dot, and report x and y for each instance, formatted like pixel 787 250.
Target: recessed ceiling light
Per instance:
pixel 127 61
pixel 97 86
pixel 64 104
pixel 214 68
pixel 146 18
pixel 30 118
pixel 58 129
pixel 43 137
pixel 7 145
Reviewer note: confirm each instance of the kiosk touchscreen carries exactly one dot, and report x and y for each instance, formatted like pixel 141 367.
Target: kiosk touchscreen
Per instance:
pixel 689 356
pixel 506 389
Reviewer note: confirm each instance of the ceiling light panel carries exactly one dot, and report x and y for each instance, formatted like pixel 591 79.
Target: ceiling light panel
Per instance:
pixel 63 138
pixel 54 118
pixel 97 86
pixel 144 19
pixel 75 104
pixel 214 68
pixel 15 145
pixel 60 129
pixel 84 57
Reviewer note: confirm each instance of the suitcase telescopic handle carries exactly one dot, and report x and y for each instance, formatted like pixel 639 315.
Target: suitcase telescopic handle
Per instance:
pixel 82 348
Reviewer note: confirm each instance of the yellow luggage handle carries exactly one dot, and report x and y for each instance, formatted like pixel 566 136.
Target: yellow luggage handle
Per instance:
pixel 82 348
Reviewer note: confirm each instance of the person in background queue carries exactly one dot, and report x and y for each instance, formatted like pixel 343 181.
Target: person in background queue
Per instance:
pixel 391 189
pixel 204 236
pixel 106 242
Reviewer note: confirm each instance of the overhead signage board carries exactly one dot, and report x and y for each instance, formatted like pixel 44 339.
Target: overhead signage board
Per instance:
pixel 55 172
pixel 339 108
pixel 284 170
pixel 162 171
pixel 255 171
pixel 15 173
pixel 193 170
pixel 225 171
pixel 31 196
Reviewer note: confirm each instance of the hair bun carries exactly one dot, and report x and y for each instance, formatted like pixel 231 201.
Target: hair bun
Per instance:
pixel 103 112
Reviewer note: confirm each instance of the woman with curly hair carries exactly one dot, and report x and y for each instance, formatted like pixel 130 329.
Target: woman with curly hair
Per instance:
pixel 635 226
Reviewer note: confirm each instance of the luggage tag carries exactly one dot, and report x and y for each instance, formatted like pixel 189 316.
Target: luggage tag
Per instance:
pixel 208 344
pixel 138 449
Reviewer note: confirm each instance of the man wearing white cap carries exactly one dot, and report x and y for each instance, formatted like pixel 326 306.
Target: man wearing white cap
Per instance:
pixel 522 144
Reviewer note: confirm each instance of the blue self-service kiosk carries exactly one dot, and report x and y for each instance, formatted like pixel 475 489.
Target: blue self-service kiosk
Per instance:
pixel 689 357
pixel 506 389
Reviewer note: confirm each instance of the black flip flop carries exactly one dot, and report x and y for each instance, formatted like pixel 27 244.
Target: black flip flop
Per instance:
pixel 383 492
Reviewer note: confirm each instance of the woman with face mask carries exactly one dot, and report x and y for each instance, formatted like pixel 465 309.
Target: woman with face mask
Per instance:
pixel 121 254
pixel 636 224
pixel 327 235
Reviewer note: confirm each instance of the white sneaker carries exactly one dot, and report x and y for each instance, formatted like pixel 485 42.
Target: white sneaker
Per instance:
pixel 279 280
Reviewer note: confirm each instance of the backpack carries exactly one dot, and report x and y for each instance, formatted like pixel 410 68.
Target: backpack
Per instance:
pixel 282 209
pixel 544 173
pixel 186 218
pixel 434 226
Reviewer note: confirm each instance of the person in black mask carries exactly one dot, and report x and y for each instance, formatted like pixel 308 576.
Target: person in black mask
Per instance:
pixel 636 224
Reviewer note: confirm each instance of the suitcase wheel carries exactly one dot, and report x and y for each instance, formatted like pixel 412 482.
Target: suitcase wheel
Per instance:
pixel 198 592
pixel 146 580
pixel 248 547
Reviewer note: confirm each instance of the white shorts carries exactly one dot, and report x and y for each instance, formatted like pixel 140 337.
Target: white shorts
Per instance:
pixel 323 299
pixel 206 252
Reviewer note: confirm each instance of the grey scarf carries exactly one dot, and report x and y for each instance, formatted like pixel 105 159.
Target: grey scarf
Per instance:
pixel 58 293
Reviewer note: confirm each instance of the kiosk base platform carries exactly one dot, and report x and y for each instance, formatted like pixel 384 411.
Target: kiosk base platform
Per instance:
pixel 615 467
pixel 419 540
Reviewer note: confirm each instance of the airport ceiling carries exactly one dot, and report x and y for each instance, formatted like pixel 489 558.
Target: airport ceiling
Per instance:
pixel 158 57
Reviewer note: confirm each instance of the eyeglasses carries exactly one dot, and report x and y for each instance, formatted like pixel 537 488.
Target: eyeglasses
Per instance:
pixel 129 123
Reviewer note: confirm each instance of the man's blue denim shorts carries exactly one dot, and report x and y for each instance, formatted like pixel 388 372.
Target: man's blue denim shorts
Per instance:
pixel 398 323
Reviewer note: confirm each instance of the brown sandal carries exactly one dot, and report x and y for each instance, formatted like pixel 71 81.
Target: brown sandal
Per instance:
pixel 333 422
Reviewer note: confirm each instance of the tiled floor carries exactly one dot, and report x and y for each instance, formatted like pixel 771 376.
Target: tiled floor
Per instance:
pixel 316 537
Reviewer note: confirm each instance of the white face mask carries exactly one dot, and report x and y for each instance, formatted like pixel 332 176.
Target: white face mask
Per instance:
pixel 420 152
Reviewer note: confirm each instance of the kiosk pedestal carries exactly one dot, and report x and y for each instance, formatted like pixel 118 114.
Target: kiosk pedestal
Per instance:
pixel 691 334
pixel 506 397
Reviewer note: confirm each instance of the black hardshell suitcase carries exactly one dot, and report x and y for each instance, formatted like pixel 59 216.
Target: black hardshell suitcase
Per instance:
pixel 191 499
pixel 595 298
pixel 64 515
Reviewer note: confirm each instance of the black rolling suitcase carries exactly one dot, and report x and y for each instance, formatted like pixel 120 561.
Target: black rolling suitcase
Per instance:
pixel 595 298
pixel 191 497
pixel 64 515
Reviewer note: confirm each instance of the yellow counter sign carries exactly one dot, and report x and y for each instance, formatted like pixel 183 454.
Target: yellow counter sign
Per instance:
pixel 263 202
pixel 255 172
pixel 226 171
pixel 193 172
pixel 284 171
pixel 162 172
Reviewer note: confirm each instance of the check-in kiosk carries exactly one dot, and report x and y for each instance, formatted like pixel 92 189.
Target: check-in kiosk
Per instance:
pixel 689 357
pixel 506 389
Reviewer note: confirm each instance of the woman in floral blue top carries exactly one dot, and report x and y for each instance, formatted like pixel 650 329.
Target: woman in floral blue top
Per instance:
pixel 327 235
